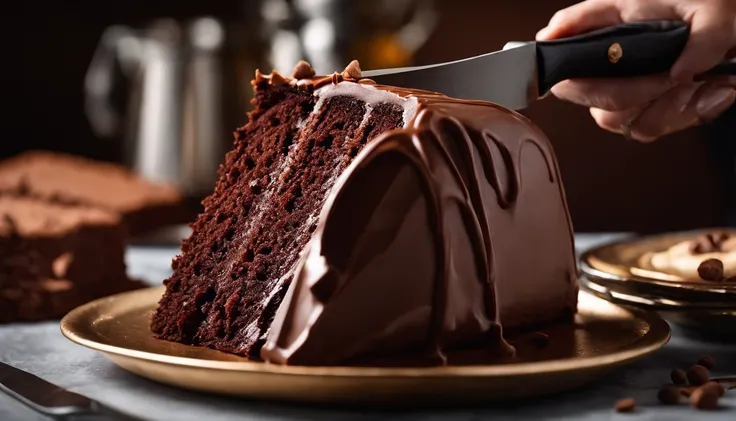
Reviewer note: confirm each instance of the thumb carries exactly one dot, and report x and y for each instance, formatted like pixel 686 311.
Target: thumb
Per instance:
pixel 712 35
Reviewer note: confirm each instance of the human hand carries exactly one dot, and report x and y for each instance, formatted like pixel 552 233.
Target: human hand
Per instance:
pixel 645 108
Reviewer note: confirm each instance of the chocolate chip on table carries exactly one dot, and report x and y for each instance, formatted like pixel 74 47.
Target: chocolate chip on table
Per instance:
pixel 730 279
pixel 669 395
pixel 698 375
pixel 711 270
pixel 715 386
pixel 704 397
pixel 678 376
pixel 625 405
pixel 707 362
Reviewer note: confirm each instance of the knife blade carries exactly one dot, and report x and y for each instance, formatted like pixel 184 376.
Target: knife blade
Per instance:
pixel 524 72
pixel 53 401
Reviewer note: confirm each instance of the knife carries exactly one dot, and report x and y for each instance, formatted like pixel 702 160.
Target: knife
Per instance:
pixel 524 72
pixel 52 401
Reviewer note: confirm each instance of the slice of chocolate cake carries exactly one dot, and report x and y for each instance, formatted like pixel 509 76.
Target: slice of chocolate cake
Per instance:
pixel 55 257
pixel 60 178
pixel 355 221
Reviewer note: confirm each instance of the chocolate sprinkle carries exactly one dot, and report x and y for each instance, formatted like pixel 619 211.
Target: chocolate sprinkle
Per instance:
pixel 352 71
pixel 716 386
pixel 709 243
pixel 705 398
pixel 678 376
pixel 711 270
pixel 625 405
pixel 698 375
pixel 707 362
pixel 277 79
pixel 302 70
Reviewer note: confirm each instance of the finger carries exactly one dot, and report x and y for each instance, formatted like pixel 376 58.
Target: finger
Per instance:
pixel 615 121
pixel 714 101
pixel 703 103
pixel 712 35
pixel 720 79
pixel 662 116
pixel 667 115
pixel 582 17
pixel 613 94
pixel 672 112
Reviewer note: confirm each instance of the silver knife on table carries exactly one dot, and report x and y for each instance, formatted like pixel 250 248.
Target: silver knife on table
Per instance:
pixel 53 401
pixel 524 72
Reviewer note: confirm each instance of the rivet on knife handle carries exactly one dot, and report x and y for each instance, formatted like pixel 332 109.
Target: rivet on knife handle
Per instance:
pixel 627 50
pixel 615 52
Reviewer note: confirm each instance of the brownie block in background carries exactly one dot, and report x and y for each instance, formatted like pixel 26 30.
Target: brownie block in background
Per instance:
pixel 55 257
pixel 52 177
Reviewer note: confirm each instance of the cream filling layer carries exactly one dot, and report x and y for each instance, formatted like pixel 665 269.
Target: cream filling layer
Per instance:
pixel 369 94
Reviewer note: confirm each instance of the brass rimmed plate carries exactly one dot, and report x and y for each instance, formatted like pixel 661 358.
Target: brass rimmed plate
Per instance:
pixel 605 336
pixel 717 320
pixel 626 261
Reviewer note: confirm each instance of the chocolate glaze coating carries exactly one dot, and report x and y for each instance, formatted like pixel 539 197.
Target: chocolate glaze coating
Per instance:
pixel 438 235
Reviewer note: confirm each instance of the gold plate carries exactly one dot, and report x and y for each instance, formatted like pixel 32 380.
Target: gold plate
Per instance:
pixel 605 336
pixel 623 261
pixel 715 320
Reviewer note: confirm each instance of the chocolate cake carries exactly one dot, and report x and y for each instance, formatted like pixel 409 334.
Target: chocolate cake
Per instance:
pixel 55 257
pixel 61 178
pixel 353 221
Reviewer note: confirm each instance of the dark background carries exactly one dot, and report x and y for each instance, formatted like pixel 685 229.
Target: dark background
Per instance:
pixel 680 182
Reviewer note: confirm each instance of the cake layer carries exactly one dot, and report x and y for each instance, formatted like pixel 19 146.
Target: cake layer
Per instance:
pixel 60 178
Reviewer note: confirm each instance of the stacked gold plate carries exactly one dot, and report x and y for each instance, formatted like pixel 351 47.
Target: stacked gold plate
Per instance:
pixel 623 272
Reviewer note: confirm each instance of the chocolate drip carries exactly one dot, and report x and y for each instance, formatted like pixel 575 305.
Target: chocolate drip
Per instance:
pixel 507 197
pixel 467 195
pixel 545 152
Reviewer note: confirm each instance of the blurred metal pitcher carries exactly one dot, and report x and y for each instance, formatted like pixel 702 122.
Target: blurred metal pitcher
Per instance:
pixel 170 92
pixel 174 93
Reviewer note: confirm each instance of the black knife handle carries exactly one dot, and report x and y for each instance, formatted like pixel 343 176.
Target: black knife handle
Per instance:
pixel 630 49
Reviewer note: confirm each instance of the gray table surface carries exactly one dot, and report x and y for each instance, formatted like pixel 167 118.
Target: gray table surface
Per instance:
pixel 42 350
